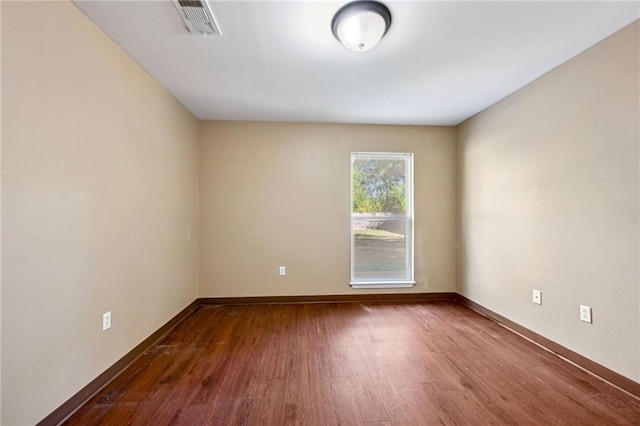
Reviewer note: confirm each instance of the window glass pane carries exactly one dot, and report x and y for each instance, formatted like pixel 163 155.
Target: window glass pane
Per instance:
pixel 379 186
pixel 380 249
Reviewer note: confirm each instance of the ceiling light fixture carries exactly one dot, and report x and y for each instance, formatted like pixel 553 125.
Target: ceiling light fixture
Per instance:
pixel 360 25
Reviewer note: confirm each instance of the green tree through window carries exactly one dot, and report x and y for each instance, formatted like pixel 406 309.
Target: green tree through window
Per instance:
pixel 379 186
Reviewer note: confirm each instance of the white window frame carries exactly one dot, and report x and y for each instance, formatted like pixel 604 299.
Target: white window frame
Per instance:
pixel 409 216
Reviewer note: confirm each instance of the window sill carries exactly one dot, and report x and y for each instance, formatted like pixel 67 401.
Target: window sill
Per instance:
pixel 382 284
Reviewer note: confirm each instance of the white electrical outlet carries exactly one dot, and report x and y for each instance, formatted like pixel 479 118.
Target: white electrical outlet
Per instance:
pixel 585 313
pixel 283 271
pixel 106 321
pixel 537 297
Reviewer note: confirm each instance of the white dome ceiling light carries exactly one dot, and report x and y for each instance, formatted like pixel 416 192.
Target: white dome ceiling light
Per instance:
pixel 360 25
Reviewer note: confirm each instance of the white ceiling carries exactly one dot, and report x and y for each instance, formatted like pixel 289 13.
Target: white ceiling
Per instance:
pixel 440 63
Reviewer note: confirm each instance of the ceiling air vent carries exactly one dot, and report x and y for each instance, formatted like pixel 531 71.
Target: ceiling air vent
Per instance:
pixel 198 17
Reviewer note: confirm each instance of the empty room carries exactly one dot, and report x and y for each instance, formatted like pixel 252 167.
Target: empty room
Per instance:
pixel 320 212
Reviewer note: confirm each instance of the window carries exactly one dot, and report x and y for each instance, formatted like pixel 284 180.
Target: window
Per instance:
pixel 381 220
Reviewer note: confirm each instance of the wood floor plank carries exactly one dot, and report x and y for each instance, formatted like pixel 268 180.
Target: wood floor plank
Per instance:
pixel 352 364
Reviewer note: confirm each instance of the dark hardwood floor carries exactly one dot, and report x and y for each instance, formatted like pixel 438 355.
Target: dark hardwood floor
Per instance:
pixel 352 364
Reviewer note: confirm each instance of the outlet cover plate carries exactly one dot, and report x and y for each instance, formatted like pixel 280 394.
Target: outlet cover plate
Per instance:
pixel 537 297
pixel 282 271
pixel 106 321
pixel 585 313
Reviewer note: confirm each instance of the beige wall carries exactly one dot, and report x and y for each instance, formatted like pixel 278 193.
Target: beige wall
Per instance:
pixel 99 190
pixel 549 186
pixel 278 194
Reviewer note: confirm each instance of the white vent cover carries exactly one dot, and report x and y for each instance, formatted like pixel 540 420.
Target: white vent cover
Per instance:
pixel 198 17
